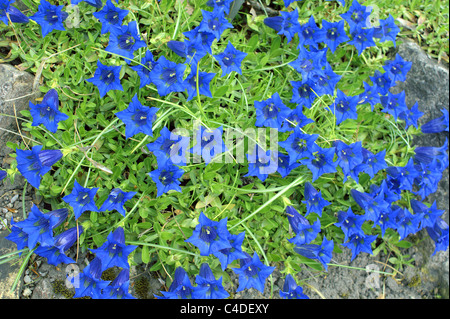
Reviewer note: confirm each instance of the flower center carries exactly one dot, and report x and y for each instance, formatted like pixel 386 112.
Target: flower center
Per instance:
pixel 208 234
pixel 140 118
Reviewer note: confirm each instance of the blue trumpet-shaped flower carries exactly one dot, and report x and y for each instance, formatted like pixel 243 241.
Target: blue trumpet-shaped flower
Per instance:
pixel 94 3
pixel 89 283
pixel 382 82
pixel 287 24
pixel 429 214
pixel 252 273
pixel 271 112
pixel 47 112
pixel 304 231
pixel 181 287
pixel 333 34
pixel 114 251
pixel 118 288
pixel 283 165
pixel 299 145
pixel 357 16
pixel 407 223
pixel 372 163
pixel 440 235
pixel 3 174
pixel 314 200
pixel 106 78
pixel 168 76
pixel 206 279
pixel 295 118
pixel 227 255
pixel 81 199
pixel 49 17
pixel 397 69
pixel 15 14
pixel 230 59
pixel 350 223
pixel 207 38
pixel 291 290
pixel 116 201
pixel 209 144
pixel 426 155
pixel 411 116
pixel 210 236
pixel 18 236
pixel 349 157
pixel 303 93
pixel 308 34
pixel 387 31
pixel 217 4
pixel 322 161
pixel 362 38
pixel 138 118
pixel 192 50
pixel 394 104
pixel 145 68
pixel 262 163
pixel 167 178
pixel 110 16
pixel 323 253
pixel 204 79
pixel 344 107
pixel 437 125
pixel 169 147
pixel 360 243
pixel 124 40
pixel 373 206
pixel 214 22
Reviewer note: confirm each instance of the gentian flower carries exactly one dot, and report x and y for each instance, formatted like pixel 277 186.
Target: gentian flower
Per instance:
pixel 81 199
pixel 39 226
pixel 308 34
pixel 166 178
pixel 18 236
pixel 407 223
pixel 325 82
pixel 252 273
pixel 56 254
pixel 138 118
pixel 302 93
pixel 404 175
pixel 210 236
pixel 143 70
pixel 94 3
pixel 394 104
pixel 437 125
pixel 373 206
pixel 321 162
pixel 204 80
pixel 429 214
pixel 372 163
pixel 3 174
pixel 370 95
pixel 89 283
pixel 411 116
pixel 360 243
pixel 314 200
pixel 110 16
pixel 116 200
pixel 389 195
pixel 290 288
pixel 227 255
pixel 35 163
pixel 124 40
pixel 362 38
pixel 47 112
pixel 332 34
pixel 181 287
pixel 169 147
pixel 230 59
pixel 283 165
pixel 426 155
pixel 397 69
pixel 387 219
pixel 387 31
pixel 287 24
pixel 214 22
pixel 349 223
pixel 15 14
pixel 106 78
pixel 207 37
pixel 114 252
pixel 323 252
pixel 304 231
pixel 295 118
pixel 262 163
pixel 271 112
pixel 428 178
pixel 206 279
pixel 168 76
pixel 357 16
pixel 209 144
pixel 118 288
pixel 192 50
pixel 382 82
pixel 440 235
pixel 225 4
pixel 349 157
pixel 309 63
pixel 49 17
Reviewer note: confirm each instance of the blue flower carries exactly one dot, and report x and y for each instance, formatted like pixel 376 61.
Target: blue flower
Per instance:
pixel 35 163
pixel 124 40
pixel 192 50
pixel 309 63
pixel 429 214
pixel 411 116
pixel 271 112
pixel 308 34
pixel 333 34
pixel 81 199
pixel 349 157
pixel 118 288
pixel 110 16
pixel 3 174
pixel 230 59
pixel 15 14
pixel 143 70
pixel 426 155
pixel 214 22
pixel 372 163
pixel 207 38
pixel 106 78
pixel 428 179
pixel 181 287
pixel 323 253
pixel 47 112
pixel 56 254
pixel 168 76
pixel 39 226
pixel 94 3
pixel 382 82
pixel 373 206
pixel 370 95
pixel 394 104
pixel 437 125
pixel 314 200
pixel 362 38
pixel 89 283
pixel 404 175
pixel 360 243
pixel 204 80
pixel 116 200
pixel 169 147
pixel 225 4
pixel 206 279
pixel 262 163
pixel 321 162
pixel 114 251
pixel 387 219
pixel 295 118
pixel 349 223
pixel 290 288
pixel 325 82
pixel 287 24
pixel 18 236
pixel 304 231
pixel 440 235
pixel 138 118
pixel 227 255
pixel 357 16
pixel 387 31
pixel 407 223
pixel 210 236
pixel 397 69
pixel 302 93
pixel 252 273
pixel 209 144
pixel 166 178
pixel 49 17
pixel 284 168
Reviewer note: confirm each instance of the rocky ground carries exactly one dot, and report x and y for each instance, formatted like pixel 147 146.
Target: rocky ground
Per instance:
pixel 428 83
